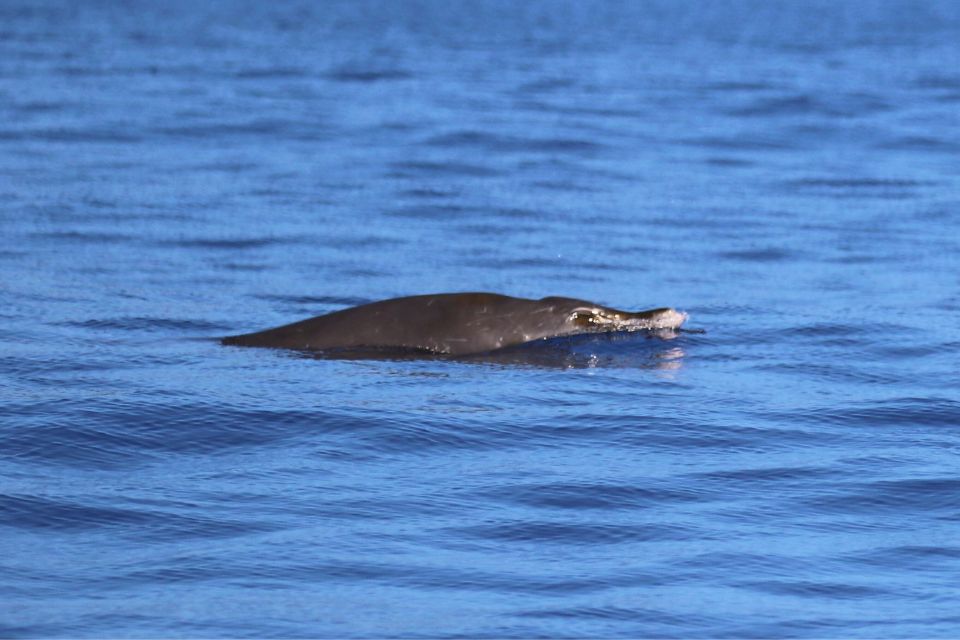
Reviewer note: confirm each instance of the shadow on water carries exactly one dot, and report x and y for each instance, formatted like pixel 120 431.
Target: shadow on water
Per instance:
pixel 661 350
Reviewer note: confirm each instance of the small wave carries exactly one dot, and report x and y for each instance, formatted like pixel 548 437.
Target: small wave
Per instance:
pixel 480 230
pixel 901 412
pixel 565 185
pixel 598 112
pixel 429 193
pixel 34 107
pixel 940 559
pixel 949 98
pixel 546 85
pixel 840 371
pixel 930 495
pixel 735 86
pixel 435 211
pixel 517 213
pixel 413 168
pixel 739 143
pixel 576 534
pixel 770 254
pixel 100 71
pixel 93 135
pixel 142 323
pixel 525 263
pixel 422 437
pixel 461 578
pixel 228 244
pixel 858 183
pixel 39 513
pixel 367 76
pixel 591 496
pixel 622 614
pixel 848 106
pixel 224 166
pixel 111 433
pixel 31 512
pixel 768 475
pixel 920 143
pixel 760 562
pixel 258 127
pixel 246 267
pixel 814 589
pixel 271 73
pixel 846 335
pixel 324 301
pixel 729 162
pixel 938 82
pixel 508 144
pixel 86 237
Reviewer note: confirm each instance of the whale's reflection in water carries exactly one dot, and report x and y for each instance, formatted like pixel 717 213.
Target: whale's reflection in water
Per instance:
pixel 624 349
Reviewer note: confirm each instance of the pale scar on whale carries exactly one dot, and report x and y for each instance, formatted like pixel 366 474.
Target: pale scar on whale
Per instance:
pixel 455 324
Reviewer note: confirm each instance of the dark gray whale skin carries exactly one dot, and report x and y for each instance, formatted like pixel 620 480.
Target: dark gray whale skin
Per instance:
pixel 454 324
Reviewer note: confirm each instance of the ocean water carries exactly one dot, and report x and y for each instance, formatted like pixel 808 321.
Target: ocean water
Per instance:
pixel 786 173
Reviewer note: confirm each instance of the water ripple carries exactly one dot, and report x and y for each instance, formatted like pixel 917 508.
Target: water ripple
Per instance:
pixel 31 512
pixel 368 75
pixel 899 412
pixel 787 175
pixel 592 496
pixel 171 325
pixel 576 534
pixel 893 496
pixel 118 433
pixel 808 589
pixel 410 168
pixel 504 144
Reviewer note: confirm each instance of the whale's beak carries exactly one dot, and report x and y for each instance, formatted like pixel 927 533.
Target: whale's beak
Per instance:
pixel 668 319
pixel 654 319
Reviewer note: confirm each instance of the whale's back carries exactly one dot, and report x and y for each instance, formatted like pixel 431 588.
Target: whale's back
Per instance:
pixel 446 323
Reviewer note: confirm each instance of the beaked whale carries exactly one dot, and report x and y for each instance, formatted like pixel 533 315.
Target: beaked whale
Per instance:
pixel 454 324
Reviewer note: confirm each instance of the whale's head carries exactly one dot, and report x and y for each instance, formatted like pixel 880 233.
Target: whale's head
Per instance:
pixel 605 319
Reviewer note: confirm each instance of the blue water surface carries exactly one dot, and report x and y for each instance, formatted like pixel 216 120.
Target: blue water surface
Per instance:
pixel 787 173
